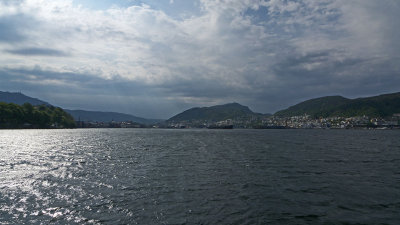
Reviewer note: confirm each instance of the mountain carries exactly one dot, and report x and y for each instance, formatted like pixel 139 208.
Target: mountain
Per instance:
pixel 215 113
pixel 376 106
pixel 314 107
pixel 97 116
pixel 82 115
pixel 19 98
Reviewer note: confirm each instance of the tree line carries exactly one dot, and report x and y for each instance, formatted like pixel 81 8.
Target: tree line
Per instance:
pixel 29 116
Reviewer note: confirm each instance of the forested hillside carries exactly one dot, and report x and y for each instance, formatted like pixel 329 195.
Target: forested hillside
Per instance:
pixel 29 116
pixel 376 106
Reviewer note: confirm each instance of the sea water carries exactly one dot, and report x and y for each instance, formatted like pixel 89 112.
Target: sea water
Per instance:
pixel 155 176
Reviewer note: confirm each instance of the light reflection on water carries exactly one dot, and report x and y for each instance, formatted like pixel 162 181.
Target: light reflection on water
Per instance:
pixel 149 176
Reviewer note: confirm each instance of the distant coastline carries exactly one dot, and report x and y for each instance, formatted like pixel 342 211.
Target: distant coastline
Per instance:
pixel 18 111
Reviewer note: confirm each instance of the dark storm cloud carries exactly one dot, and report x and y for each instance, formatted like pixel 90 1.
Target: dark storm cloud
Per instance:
pixel 312 68
pixel 70 82
pixel 197 88
pixel 318 74
pixel 37 52
pixel 88 91
pixel 11 28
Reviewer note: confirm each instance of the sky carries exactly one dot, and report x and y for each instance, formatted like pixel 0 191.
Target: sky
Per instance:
pixel 156 58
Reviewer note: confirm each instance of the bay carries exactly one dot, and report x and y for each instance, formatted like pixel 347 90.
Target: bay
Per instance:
pixel 156 176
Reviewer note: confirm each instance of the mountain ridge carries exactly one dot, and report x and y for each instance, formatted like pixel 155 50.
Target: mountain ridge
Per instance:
pixel 100 116
pixel 375 106
pixel 20 98
pixel 214 113
pixel 82 115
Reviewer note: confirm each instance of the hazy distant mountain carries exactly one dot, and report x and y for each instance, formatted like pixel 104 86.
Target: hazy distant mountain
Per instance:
pixel 377 106
pixel 19 98
pixel 83 115
pixel 215 113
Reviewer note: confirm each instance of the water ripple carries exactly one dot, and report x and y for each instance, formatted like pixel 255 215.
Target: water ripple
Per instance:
pixel 145 176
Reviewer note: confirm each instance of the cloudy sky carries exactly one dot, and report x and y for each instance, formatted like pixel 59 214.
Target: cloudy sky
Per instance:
pixel 155 58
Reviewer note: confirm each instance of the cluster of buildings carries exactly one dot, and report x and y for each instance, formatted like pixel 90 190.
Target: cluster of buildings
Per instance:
pixel 306 121
pixel 264 122
pixel 228 123
pixel 296 122
pixel 112 124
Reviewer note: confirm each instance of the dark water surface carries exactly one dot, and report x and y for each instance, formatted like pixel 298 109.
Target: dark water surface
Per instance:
pixel 145 176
